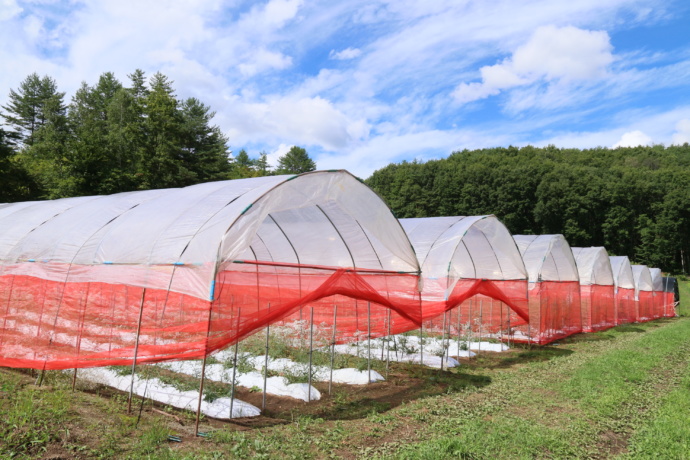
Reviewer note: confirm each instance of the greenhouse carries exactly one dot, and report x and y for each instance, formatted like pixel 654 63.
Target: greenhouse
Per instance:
pixel 554 287
pixel 624 282
pixel 596 288
pixel 658 283
pixel 471 263
pixel 671 296
pixel 176 274
pixel 644 293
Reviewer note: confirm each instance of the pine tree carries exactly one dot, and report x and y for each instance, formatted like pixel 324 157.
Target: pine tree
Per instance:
pixel 26 110
pixel 295 161
pixel 204 147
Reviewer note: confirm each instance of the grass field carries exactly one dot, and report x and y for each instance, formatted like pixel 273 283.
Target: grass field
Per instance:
pixel 621 393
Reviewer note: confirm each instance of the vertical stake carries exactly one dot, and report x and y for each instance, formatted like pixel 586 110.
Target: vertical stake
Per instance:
pixel 136 351
pixel 459 315
pixel 311 350
pixel 500 333
pixel 446 349
pixel 369 340
pixel 234 363
pixel 201 394
pixel 388 344
pixel 443 338
pixel 421 343
pixel 203 370
pixel 263 399
pixel 335 316
pixel 510 331
pixel 481 309
pixel 469 333
pixel 39 381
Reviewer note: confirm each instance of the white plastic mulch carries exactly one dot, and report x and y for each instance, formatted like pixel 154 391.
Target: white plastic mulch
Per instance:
pixel 166 394
pixel 406 348
pixel 277 385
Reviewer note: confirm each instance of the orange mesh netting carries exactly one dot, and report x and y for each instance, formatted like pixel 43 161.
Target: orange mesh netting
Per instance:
pixel 626 306
pixel 598 307
pixel 52 325
pixel 669 304
pixel 645 306
pixel 554 308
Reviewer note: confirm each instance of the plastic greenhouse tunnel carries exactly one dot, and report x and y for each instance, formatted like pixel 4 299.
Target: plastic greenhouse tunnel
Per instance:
pixel 644 293
pixel 597 291
pixel 179 273
pixel 624 282
pixel 554 288
pixel 471 269
pixel 658 302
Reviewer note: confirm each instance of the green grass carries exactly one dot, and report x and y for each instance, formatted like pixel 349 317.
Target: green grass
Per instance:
pixel 622 393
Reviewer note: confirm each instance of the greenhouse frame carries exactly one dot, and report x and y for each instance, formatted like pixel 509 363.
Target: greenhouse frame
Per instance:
pixel 179 273
pixel 597 291
pixel 644 293
pixel 658 283
pixel 554 287
pixel 624 282
pixel 472 268
pixel 671 295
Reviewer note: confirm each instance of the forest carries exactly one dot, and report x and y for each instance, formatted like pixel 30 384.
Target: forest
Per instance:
pixel 113 137
pixel 633 201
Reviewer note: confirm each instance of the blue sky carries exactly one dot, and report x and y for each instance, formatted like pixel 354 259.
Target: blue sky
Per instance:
pixel 361 84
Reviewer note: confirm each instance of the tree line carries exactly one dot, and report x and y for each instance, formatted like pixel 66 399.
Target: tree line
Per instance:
pixel 633 201
pixel 113 138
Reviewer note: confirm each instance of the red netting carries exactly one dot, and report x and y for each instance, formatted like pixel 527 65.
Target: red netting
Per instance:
pixel 669 304
pixel 659 308
pixel 626 306
pixel 598 307
pixel 53 325
pixel 554 312
pixel 481 306
pixel 645 306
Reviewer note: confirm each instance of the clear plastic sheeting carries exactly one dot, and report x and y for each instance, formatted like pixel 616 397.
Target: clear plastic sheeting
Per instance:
pixel 644 293
pixel 670 296
pixel 658 283
pixel 624 282
pixel 469 258
pixel 178 273
pixel 554 288
pixel 597 291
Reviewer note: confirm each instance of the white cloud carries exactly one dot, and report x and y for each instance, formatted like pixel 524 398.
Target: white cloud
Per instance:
pixel 266 69
pixel 633 139
pixel 302 121
pixel 263 60
pixel 552 54
pixel 9 9
pixel 346 54
pixel 682 134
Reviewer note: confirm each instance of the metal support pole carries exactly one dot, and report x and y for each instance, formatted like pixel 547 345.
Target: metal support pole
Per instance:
pixel 311 350
pixel 234 364
pixel 335 317
pixel 459 317
pixel 481 310
pixel 443 338
pixel 446 349
pixel 369 340
pixel 469 334
pixel 201 394
pixel 421 343
pixel 388 344
pixel 263 399
pixel 203 372
pixel 136 351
